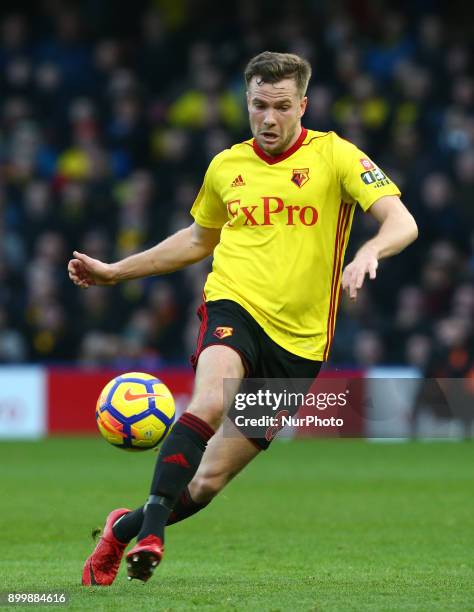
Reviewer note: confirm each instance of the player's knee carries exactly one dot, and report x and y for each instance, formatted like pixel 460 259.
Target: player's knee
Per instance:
pixel 205 487
pixel 209 408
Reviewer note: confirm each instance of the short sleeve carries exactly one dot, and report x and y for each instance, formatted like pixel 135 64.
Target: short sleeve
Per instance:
pixel 208 209
pixel 361 179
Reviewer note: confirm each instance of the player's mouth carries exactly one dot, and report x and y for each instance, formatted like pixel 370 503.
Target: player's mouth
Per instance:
pixel 269 137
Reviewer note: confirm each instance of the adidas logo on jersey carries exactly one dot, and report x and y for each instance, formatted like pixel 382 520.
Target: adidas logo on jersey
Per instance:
pixel 238 181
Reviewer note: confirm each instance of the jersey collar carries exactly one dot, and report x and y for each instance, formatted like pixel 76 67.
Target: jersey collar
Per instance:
pixel 274 160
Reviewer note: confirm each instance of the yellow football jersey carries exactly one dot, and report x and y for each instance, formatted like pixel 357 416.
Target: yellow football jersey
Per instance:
pixel 285 225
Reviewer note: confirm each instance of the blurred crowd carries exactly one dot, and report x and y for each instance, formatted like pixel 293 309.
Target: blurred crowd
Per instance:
pixel 110 114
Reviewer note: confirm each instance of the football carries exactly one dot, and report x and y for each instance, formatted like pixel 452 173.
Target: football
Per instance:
pixel 135 411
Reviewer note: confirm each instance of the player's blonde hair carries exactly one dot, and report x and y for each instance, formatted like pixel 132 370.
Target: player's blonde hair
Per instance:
pixel 272 67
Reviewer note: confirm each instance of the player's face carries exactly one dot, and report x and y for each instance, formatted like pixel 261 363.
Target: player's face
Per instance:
pixel 275 111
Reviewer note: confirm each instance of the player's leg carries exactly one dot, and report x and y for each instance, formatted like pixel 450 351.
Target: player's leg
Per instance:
pixel 225 456
pixel 181 453
pixel 102 566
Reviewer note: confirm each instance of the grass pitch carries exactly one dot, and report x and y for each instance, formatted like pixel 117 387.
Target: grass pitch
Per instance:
pixel 310 525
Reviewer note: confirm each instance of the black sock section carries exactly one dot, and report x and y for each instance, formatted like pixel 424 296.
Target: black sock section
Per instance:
pixel 127 527
pixel 155 517
pixel 177 462
pixel 184 507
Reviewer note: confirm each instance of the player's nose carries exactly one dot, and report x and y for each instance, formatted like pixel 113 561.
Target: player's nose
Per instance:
pixel 269 118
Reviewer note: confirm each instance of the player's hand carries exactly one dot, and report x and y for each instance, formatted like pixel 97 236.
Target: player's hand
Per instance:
pixel 365 262
pixel 85 271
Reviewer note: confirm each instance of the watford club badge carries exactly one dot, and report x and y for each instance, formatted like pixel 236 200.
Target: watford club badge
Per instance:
pixel 300 176
pixel 223 332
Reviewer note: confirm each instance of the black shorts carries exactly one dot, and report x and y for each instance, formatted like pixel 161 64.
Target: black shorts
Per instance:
pixel 224 322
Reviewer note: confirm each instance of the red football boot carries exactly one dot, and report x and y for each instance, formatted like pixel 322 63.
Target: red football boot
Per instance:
pixel 102 566
pixel 144 557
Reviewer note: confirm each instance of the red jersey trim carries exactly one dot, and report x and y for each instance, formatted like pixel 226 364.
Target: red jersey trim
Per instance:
pixel 274 160
pixel 341 237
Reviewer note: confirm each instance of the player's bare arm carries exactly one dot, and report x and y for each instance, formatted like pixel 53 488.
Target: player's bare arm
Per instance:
pixel 397 230
pixel 183 248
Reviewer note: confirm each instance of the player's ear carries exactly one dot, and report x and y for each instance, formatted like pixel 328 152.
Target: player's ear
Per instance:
pixel 303 104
